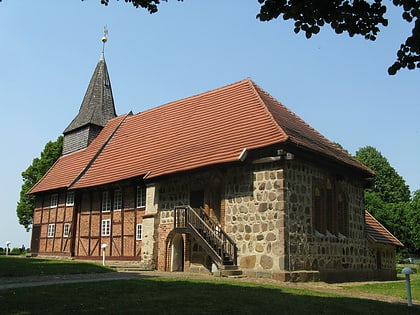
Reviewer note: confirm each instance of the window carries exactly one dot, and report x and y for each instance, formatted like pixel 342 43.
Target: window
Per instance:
pixel 141 197
pixel 329 209
pixel 316 209
pixel 117 199
pixel 106 201
pixel 54 200
pixel 106 227
pixel 139 231
pixel 70 199
pixel 66 230
pixel 343 215
pixel 51 230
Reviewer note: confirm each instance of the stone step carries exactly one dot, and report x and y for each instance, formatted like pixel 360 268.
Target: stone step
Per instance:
pixel 231 273
pixel 228 271
pixel 229 267
pixel 129 268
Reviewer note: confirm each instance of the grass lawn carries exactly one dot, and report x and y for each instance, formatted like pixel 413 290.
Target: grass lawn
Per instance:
pixel 152 295
pixel 174 296
pixel 391 288
pixel 12 266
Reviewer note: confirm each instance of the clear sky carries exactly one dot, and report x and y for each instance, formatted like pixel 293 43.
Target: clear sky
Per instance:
pixel 338 85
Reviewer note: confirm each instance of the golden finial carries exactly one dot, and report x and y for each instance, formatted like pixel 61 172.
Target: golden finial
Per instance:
pixel 104 39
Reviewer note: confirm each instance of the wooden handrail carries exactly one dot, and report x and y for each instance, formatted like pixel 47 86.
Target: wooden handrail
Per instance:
pixel 218 244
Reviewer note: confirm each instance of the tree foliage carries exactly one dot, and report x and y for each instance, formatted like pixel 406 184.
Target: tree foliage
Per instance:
pixel 32 175
pixel 414 221
pixel 389 199
pixel 354 17
pixel 390 186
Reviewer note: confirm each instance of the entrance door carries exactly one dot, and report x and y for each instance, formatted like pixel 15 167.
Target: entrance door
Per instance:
pixel 196 198
pixel 177 259
pixel 36 233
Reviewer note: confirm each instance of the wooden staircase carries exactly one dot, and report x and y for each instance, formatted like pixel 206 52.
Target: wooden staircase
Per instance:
pixel 205 231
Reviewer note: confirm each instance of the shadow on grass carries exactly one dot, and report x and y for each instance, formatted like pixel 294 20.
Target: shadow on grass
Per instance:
pixel 23 266
pixel 171 296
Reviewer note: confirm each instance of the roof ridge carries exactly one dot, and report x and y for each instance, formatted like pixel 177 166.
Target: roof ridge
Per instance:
pixel 257 90
pixel 200 94
pixel 99 151
pixel 323 139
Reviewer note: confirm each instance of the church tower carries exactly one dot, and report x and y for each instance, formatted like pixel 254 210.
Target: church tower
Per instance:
pixel 96 109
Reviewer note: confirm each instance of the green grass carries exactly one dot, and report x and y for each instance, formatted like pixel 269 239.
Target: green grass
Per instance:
pixel 391 288
pixel 22 266
pixel 150 295
pixel 172 296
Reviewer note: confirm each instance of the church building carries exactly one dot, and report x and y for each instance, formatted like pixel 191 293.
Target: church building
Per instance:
pixel 229 181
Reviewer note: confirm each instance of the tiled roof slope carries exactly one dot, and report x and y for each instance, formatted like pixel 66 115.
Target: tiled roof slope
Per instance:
pixel 206 129
pixel 70 166
pixel 98 103
pixel 209 128
pixel 303 135
pixel 378 232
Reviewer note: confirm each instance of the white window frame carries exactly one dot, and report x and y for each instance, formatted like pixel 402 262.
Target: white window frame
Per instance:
pixel 106 201
pixel 141 197
pixel 117 199
pixel 139 232
pixel 66 230
pixel 51 230
pixel 70 198
pixel 106 227
pixel 54 201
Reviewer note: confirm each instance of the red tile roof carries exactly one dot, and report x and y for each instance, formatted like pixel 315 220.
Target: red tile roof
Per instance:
pixel 206 129
pixel 378 232
pixel 69 167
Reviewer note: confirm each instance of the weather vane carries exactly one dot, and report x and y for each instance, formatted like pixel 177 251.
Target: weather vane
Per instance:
pixel 104 39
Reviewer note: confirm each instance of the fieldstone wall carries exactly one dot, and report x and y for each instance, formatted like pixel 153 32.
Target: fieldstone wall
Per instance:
pixel 310 250
pixel 255 218
pixel 268 213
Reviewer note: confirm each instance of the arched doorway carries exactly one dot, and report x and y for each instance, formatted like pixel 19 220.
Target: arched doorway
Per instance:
pixel 177 253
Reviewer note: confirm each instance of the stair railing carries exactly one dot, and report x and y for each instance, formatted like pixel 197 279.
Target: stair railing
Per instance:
pixel 204 229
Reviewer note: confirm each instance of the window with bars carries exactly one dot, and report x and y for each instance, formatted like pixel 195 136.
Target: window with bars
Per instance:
pixel 141 197
pixel 70 199
pixel 106 227
pixel 117 199
pixel 51 230
pixel 139 232
pixel 106 201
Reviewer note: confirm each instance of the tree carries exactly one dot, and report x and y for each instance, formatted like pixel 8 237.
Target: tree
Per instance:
pixel 32 175
pixel 414 221
pixel 388 184
pixel 355 17
pixel 389 199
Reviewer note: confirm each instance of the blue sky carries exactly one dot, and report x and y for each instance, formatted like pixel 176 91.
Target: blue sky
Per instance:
pixel 338 85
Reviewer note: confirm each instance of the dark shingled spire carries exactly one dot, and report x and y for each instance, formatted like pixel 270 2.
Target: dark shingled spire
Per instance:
pixel 98 104
pixel 96 109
